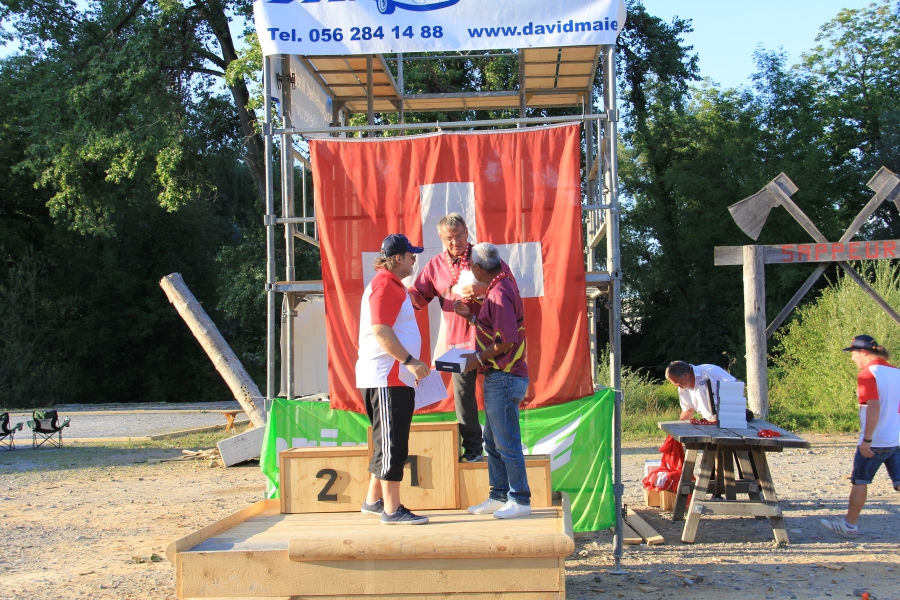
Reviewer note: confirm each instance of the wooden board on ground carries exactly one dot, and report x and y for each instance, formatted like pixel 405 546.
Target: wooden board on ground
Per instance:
pixel 323 480
pixel 242 447
pixel 474 486
pixel 641 527
pixel 629 536
pixel 429 477
pixel 249 558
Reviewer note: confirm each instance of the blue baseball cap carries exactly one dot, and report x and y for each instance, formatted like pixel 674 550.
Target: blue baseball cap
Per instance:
pixel 397 243
pixel 862 342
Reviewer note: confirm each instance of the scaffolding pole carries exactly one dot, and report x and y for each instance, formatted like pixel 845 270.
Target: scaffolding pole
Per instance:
pixel 271 305
pixel 613 267
pixel 287 211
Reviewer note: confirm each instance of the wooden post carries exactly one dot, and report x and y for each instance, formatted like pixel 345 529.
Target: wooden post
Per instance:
pixel 223 357
pixel 755 328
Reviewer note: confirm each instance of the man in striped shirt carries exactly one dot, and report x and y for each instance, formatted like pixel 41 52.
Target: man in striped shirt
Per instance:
pixel 386 371
pixel 500 356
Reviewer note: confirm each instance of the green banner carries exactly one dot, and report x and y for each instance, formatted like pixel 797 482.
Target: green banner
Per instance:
pixel 576 435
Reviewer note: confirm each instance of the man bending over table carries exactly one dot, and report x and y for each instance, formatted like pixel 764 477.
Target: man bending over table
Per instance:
pixel 696 387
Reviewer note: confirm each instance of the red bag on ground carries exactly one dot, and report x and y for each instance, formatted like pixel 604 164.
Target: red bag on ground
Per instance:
pixel 666 476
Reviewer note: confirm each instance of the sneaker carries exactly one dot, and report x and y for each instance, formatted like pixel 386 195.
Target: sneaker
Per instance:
pixel 471 457
pixel 403 516
pixel 839 527
pixel 376 508
pixel 512 509
pixel 487 507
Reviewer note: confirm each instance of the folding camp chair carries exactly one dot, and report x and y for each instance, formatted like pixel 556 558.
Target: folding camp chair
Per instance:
pixel 7 433
pixel 45 426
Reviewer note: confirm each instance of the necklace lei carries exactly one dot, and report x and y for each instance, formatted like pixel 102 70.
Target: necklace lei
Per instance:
pixel 463 263
pixel 494 282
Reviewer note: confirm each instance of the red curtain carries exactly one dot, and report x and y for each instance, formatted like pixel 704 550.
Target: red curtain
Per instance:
pixel 527 189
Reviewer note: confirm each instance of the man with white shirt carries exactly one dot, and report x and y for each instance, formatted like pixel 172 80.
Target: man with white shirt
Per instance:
pixel 878 392
pixel 697 387
pixel 387 370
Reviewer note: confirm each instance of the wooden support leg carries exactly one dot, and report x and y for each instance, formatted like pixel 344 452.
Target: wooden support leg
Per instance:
pixel 720 472
pixel 728 467
pixel 761 466
pixel 693 518
pixel 746 466
pixel 684 486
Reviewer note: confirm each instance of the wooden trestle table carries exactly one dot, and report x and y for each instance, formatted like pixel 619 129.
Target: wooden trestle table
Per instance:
pixel 742 469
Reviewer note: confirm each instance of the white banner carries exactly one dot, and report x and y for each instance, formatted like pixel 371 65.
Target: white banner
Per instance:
pixel 310 105
pixel 382 26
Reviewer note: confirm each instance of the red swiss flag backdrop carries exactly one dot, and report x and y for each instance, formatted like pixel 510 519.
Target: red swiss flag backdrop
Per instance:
pixel 527 189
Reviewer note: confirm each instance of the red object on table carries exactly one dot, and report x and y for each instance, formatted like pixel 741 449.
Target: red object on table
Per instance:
pixel 702 422
pixel 767 433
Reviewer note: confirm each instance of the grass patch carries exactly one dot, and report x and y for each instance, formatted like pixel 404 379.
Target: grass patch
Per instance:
pixel 812 382
pixel 645 401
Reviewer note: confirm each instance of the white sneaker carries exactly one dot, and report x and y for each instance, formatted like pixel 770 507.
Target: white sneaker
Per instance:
pixel 839 527
pixel 487 507
pixel 511 510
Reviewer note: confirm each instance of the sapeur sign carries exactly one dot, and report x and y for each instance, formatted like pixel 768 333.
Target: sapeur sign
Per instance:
pixel 383 26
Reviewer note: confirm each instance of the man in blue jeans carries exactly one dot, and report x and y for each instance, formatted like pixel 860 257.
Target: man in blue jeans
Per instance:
pixel 500 342
pixel 878 392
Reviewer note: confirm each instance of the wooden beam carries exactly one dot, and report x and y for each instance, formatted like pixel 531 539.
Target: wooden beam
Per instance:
pixel 737 508
pixel 218 350
pixel 755 329
pixel 812 253
pixel 641 527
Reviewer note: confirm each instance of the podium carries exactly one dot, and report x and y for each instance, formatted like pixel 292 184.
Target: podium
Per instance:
pixel 315 543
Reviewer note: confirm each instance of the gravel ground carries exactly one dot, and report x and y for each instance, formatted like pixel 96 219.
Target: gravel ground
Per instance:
pixel 120 421
pixel 84 522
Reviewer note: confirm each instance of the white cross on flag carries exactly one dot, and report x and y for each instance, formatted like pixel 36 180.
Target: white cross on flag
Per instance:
pixel 517 190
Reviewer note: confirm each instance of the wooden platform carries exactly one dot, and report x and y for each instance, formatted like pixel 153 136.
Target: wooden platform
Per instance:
pixel 259 552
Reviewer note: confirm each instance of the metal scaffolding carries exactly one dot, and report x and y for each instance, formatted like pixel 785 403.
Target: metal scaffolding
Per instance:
pixel 549 77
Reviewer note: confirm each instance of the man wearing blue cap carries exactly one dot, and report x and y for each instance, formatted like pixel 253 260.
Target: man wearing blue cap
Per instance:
pixel 878 392
pixel 387 370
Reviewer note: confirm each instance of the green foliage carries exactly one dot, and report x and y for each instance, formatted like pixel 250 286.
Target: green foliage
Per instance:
pixel 690 152
pixel 813 383
pixel 645 400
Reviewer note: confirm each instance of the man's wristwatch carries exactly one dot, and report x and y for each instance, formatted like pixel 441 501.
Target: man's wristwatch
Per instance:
pixel 478 358
pixel 865 441
pixel 408 360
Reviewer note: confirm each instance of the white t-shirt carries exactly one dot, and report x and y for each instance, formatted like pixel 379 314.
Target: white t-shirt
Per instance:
pixel 697 398
pixel 386 302
pixel 880 381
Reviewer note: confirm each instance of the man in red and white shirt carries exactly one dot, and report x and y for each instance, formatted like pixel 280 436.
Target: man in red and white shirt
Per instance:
pixel 386 371
pixel 878 392
pixel 448 277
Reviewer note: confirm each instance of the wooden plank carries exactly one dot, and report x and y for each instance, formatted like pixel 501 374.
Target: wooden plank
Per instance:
pixel 642 528
pixel 213 529
pixel 693 520
pixel 474 485
pixel 324 452
pixel 262 574
pixel 737 508
pixel 686 433
pixel 685 485
pixel 761 466
pixel 728 468
pixel 787 439
pixel 787 254
pixel 629 536
pixel 410 543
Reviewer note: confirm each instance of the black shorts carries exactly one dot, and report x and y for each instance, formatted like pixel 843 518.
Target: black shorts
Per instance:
pixel 390 411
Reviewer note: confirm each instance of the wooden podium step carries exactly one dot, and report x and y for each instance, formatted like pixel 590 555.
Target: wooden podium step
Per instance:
pixel 261 553
pixel 335 479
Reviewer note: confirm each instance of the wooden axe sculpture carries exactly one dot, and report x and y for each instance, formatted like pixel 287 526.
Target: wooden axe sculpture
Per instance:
pixel 751 213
